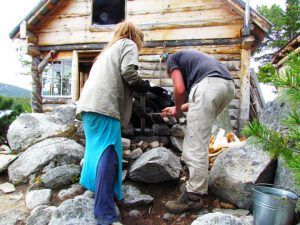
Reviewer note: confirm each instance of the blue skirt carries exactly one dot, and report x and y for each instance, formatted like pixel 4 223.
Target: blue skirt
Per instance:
pixel 100 132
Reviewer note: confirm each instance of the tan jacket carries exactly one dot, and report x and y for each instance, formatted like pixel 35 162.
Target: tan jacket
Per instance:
pixel 106 90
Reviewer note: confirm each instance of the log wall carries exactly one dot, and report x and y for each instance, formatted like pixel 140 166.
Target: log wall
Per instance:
pixel 160 20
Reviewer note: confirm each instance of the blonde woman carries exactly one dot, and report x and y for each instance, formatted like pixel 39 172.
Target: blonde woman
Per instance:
pixel 105 103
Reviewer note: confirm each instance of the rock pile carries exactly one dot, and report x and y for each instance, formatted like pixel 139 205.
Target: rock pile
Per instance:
pixel 47 154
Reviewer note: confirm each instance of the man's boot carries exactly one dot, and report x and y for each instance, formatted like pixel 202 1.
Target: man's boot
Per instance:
pixel 186 202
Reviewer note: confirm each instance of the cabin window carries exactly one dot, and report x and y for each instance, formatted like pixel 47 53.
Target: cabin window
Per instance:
pixel 56 81
pixel 107 12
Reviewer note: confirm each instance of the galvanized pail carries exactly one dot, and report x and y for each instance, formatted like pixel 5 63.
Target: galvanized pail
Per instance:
pixel 273 205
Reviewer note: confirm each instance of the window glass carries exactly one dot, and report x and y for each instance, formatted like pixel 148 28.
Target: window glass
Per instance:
pixel 56 80
pixel 57 69
pixel 46 86
pixel 56 87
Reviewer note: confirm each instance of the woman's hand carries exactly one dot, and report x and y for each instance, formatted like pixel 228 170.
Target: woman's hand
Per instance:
pixel 169 111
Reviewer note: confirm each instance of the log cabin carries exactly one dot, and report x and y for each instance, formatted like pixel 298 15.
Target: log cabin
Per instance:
pixel 282 55
pixel 63 37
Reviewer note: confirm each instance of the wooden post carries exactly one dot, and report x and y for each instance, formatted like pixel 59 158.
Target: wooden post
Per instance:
pixel 245 88
pixel 46 60
pixel 36 94
pixel 75 76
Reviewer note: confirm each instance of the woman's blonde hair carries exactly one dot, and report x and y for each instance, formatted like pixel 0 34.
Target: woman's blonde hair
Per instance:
pixel 130 31
pixel 126 30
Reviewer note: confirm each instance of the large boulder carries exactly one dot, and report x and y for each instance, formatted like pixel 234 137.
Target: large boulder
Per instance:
pixel 133 196
pixel 221 219
pixel 237 169
pixel 61 150
pixel 61 176
pixel 273 114
pixel 156 165
pixel 31 128
pixel 77 211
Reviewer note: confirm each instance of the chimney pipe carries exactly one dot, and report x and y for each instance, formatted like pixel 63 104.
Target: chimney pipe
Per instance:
pixel 247 19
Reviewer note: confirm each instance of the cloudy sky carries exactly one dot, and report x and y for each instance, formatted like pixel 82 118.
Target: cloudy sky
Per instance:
pixel 14 11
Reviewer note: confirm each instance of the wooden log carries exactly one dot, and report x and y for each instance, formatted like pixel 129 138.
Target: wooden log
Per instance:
pixel 162 82
pixel 166 25
pixel 56 101
pixel 152 44
pixel 46 60
pixel 36 99
pixel 186 8
pixel 77 37
pixel 230 49
pixel 256 85
pixel 75 77
pixel 245 88
pixel 206 15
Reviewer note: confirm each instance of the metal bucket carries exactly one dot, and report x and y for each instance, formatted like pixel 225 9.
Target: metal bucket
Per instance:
pixel 273 205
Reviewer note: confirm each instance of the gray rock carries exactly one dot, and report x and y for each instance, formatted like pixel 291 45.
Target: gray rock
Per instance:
pixel 178 130
pixel 177 143
pixel 37 197
pixel 5 160
pixel 167 216
pixel 285 178
pixel 7 188
pixel 237 169
pixel 13 217
pixel 136 153
pixel 133 196
pixel 156 165
pixel 273 114
pixel 223 121
pixel 49 167
pixel 126 143
pixel 219 219
pixel 89 194
pixel 161 129
pixel 61 176
pixel 31 128
pixel 134 213
pixel 233 212
pixel 74 190
pixel 60 150
pixel 77 211
pixel 41 215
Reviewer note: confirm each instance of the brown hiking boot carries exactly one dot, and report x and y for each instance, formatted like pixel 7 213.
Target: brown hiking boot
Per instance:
pixel 186 202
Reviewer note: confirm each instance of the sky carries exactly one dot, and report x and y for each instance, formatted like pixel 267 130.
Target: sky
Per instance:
pixel 15 10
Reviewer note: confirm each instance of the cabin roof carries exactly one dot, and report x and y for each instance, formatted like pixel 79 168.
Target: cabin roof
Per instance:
pixel 44 7
pixel 291 46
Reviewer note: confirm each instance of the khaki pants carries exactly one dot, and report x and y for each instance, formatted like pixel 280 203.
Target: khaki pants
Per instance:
pixel 207 99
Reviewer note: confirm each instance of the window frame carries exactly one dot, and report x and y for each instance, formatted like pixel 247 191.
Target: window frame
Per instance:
pixel 62 61
pixel 105 27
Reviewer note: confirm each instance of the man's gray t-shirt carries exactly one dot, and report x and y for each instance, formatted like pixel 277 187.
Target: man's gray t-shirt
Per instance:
pixel 195 66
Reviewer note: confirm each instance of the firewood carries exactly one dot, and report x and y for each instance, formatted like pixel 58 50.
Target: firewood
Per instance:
pixel 227 205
